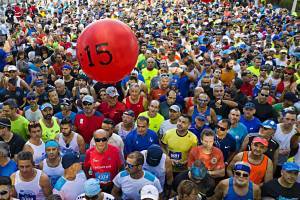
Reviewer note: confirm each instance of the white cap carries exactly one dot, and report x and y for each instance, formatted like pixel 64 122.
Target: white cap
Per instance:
pixel 150 192
pixel 12 68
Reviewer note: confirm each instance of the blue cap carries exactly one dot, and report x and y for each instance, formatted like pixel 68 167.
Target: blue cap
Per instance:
pixel 249 105
pixel 226 52
pixel 46 105
pixel 67 67
pixel 198 171
pixel 290 166
pixel 91 187
pixel 269 124
pixel 201 116
pixel 242 46
pixel 69 159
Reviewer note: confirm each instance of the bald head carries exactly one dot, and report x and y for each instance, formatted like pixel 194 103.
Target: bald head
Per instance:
pixel 100 132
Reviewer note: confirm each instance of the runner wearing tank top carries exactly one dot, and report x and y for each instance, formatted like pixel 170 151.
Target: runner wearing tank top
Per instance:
pixel 232 195
pixel 54 173
pixel 30 190
pixel 258 171
pixel 39 152
pixel 137 107
pixel 72 146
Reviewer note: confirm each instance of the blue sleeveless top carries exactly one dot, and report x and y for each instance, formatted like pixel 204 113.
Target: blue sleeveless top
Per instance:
pixel 196 112
pixel 232 195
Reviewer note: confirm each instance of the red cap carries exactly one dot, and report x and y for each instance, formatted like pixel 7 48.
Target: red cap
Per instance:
pixel 261 140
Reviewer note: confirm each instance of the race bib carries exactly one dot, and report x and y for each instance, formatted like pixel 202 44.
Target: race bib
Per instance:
pixel 175 155
pixel 27 195
pixel 103 177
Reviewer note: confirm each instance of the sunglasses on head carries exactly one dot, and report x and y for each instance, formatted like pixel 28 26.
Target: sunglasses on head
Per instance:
pixel 221 128
pixel 86 103
pixel 240 174
pixel 100 139
pixel 130 166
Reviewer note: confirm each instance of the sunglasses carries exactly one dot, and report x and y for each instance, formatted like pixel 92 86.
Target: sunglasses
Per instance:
pixel 240 174
pixel 264 95
pixel 130 166
pixel 221 128
pixel 3 193
pixel 12 72
pixel 100 139
pixel 202 100
pixel 83 93
pixel 288 73
pixel 86 103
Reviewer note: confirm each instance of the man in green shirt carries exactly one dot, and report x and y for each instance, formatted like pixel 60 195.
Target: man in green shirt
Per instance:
pixel 255 67
pixel 19 124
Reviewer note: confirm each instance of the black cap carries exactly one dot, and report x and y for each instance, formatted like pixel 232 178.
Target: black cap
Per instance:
pixel 5 122
pixel 154 154
pixel 69 159
pixel 290 96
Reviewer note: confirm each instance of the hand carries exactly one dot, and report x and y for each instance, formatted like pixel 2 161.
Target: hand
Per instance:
pixel 284 151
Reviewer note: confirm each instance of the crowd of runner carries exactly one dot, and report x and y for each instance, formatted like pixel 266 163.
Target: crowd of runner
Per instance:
pixel 210 111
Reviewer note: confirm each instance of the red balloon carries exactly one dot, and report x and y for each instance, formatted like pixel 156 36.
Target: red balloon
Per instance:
pixel 107 50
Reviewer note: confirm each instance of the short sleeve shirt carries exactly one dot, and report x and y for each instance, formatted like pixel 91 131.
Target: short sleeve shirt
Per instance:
pixel 131 187
pixel 212 161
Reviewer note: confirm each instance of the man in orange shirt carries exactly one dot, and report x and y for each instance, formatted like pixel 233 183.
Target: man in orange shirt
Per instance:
pixel 228 73
pixel 211 156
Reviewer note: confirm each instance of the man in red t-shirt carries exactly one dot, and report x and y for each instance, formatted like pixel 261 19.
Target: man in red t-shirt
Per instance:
pixel 112 108
pixel 103 161
pixel 89 120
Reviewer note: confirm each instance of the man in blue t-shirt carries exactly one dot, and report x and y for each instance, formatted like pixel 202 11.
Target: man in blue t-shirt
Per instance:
pixel 201 123
pixel 248 119
pixel 140 138
pixel 237 130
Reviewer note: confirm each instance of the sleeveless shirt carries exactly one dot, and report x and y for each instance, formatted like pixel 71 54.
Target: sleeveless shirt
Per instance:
pixel 49 133
pixel 54 173
pixel 231 194
pixel 72 146
pixel 30 190
pixel 38 152
pixel 137 108
pixel 258 172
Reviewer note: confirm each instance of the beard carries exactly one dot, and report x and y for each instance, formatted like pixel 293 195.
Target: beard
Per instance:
pixel 48 117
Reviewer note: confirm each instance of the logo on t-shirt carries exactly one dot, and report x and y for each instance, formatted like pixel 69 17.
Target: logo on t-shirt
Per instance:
pixel 214 160
pixel 27 195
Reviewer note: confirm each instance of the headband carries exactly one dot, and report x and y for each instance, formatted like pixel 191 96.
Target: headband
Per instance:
pixel 242 167
pixel 51 143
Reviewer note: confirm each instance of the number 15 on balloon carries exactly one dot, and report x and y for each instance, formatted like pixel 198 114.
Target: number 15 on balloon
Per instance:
pixel 104 56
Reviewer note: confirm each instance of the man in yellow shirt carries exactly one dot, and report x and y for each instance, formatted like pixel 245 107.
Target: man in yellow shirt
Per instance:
pixel 155 119
pixel 178 142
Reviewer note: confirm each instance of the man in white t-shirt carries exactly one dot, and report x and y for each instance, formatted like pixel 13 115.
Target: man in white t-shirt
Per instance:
pixel 69 186
pixel 92 190
pixel 128 183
